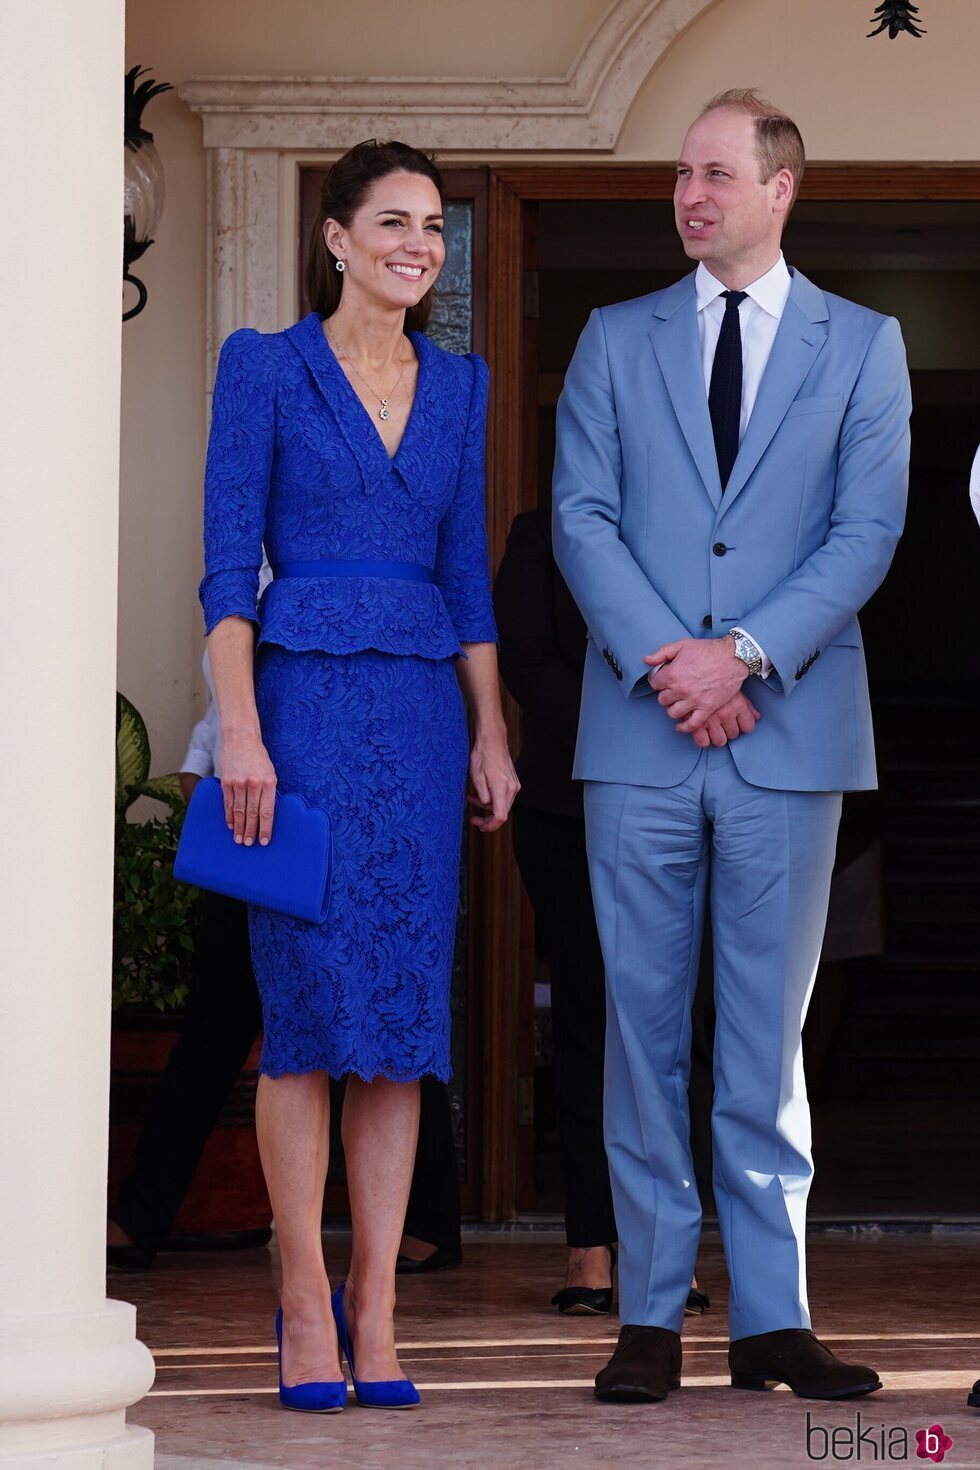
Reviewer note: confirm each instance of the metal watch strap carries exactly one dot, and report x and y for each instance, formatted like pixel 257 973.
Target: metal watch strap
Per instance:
pixel 748 651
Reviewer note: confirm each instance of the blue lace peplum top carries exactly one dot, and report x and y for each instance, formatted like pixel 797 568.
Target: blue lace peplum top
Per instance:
pixel 295 463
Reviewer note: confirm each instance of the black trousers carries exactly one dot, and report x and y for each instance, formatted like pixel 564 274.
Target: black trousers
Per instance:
pixel 221 1021
pixel 550 852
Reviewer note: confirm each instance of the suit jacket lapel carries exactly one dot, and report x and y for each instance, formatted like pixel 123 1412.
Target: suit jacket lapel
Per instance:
pixel 801 334
pixel 675 341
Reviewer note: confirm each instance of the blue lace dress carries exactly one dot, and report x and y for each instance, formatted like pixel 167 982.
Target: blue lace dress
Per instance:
pixel 355 679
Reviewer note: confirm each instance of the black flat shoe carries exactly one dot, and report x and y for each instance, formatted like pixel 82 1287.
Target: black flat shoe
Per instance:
pixel 440 1260
pixel 697 1302
pixel 586 1301
pixel 583 1301
pixel 973 1399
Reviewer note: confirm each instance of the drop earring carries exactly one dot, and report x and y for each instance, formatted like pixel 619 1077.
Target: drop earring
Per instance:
pixel 340 265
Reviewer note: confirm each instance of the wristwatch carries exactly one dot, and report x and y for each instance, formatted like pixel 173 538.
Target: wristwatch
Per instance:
pixel 747 650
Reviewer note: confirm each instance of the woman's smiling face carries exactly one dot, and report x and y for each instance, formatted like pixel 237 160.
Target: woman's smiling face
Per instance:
pixel 393 249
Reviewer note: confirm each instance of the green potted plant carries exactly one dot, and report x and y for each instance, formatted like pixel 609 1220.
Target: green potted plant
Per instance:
pixel 153 947
pixel 152 921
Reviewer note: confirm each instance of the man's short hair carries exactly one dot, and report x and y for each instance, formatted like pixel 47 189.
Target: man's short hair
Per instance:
pixel 778 141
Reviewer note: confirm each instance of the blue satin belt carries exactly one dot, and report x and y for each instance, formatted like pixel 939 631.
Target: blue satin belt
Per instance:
pixel 407 571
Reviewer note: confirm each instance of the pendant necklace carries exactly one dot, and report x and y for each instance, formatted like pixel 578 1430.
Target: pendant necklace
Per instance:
pixel 383 411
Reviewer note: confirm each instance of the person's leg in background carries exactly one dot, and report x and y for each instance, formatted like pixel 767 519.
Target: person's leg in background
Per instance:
pixel 700 1095
pixel 431 1239
pixel 222 1019
pixel 550 851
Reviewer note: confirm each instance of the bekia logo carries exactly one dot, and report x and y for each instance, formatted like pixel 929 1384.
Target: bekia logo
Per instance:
pixel 874 1443
pixel 932 1443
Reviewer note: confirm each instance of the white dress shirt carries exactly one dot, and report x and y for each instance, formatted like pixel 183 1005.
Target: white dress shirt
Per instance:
pixel 975 485
pixel 758 319
pixel 204 751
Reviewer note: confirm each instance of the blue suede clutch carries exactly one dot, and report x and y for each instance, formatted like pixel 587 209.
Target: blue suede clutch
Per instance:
pixel 291 874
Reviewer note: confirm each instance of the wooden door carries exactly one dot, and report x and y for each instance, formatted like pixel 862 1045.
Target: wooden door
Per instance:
pixel 515 192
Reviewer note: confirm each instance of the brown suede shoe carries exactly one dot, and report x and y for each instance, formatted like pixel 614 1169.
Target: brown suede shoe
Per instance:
pixel 797 1358
pixel 644 1367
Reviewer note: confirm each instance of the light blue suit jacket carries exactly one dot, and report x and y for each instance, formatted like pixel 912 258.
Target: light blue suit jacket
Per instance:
pixel 801 538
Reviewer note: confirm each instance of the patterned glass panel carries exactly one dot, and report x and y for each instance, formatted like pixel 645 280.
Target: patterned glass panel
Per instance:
pixel 451 323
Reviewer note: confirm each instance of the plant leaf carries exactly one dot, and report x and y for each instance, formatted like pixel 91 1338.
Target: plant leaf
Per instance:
pixel 166 789
pixel 132 751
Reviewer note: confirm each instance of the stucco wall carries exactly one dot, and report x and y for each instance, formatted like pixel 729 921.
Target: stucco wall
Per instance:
pixel 855 99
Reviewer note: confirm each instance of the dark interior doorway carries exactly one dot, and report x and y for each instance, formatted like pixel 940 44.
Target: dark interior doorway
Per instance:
pixel 894 1036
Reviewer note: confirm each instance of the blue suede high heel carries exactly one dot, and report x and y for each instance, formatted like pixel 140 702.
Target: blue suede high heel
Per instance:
pixel 394 1393
pixel 310 1398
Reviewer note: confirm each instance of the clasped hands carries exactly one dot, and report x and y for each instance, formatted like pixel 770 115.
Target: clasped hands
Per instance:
pixel 699 683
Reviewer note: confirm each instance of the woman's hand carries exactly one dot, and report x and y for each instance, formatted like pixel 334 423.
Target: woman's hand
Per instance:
pixel 493 779
pixel 248 784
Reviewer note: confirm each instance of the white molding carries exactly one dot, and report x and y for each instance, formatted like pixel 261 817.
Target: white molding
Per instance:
pixel 255 126
pixel 582 111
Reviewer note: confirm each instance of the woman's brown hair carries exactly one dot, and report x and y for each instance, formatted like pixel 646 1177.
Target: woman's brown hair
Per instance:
pixel 343 192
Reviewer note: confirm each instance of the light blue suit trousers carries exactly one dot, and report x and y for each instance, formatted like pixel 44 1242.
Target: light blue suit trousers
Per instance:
pixel 771 854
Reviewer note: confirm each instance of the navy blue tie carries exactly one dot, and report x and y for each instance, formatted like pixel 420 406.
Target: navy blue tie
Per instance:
pixel 725 392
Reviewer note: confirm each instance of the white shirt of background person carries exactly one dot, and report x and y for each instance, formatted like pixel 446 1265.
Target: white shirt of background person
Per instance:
pixel 975 485
pixel 203 756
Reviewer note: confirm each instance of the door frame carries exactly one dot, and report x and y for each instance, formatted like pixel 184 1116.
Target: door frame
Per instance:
pixel 513 189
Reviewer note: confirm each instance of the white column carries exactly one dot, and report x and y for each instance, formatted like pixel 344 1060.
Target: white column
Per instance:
pixel 69 1359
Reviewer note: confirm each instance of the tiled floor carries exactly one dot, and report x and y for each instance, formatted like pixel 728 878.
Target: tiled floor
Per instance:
pixel 507 1383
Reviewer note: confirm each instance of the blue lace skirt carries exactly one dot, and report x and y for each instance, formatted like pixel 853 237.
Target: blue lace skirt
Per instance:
pixel 380 741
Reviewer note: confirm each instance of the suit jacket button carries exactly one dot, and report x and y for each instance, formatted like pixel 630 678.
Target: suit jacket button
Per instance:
pixel 719 548
pixel 706 621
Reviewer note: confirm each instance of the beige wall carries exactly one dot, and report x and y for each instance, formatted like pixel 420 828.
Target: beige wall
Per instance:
pixel 855 99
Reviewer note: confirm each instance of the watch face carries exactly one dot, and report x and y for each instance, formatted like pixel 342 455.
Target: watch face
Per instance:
pixel 746 650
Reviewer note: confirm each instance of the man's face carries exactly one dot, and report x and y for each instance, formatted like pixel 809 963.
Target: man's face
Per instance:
pixel 724 214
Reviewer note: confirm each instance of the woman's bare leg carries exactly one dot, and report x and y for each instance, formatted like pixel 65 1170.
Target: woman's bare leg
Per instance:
pixel 589 1266
pixel 292 1119
pixel 380 1131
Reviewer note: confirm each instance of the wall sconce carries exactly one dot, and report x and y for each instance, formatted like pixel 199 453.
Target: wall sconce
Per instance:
pixel 143 192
